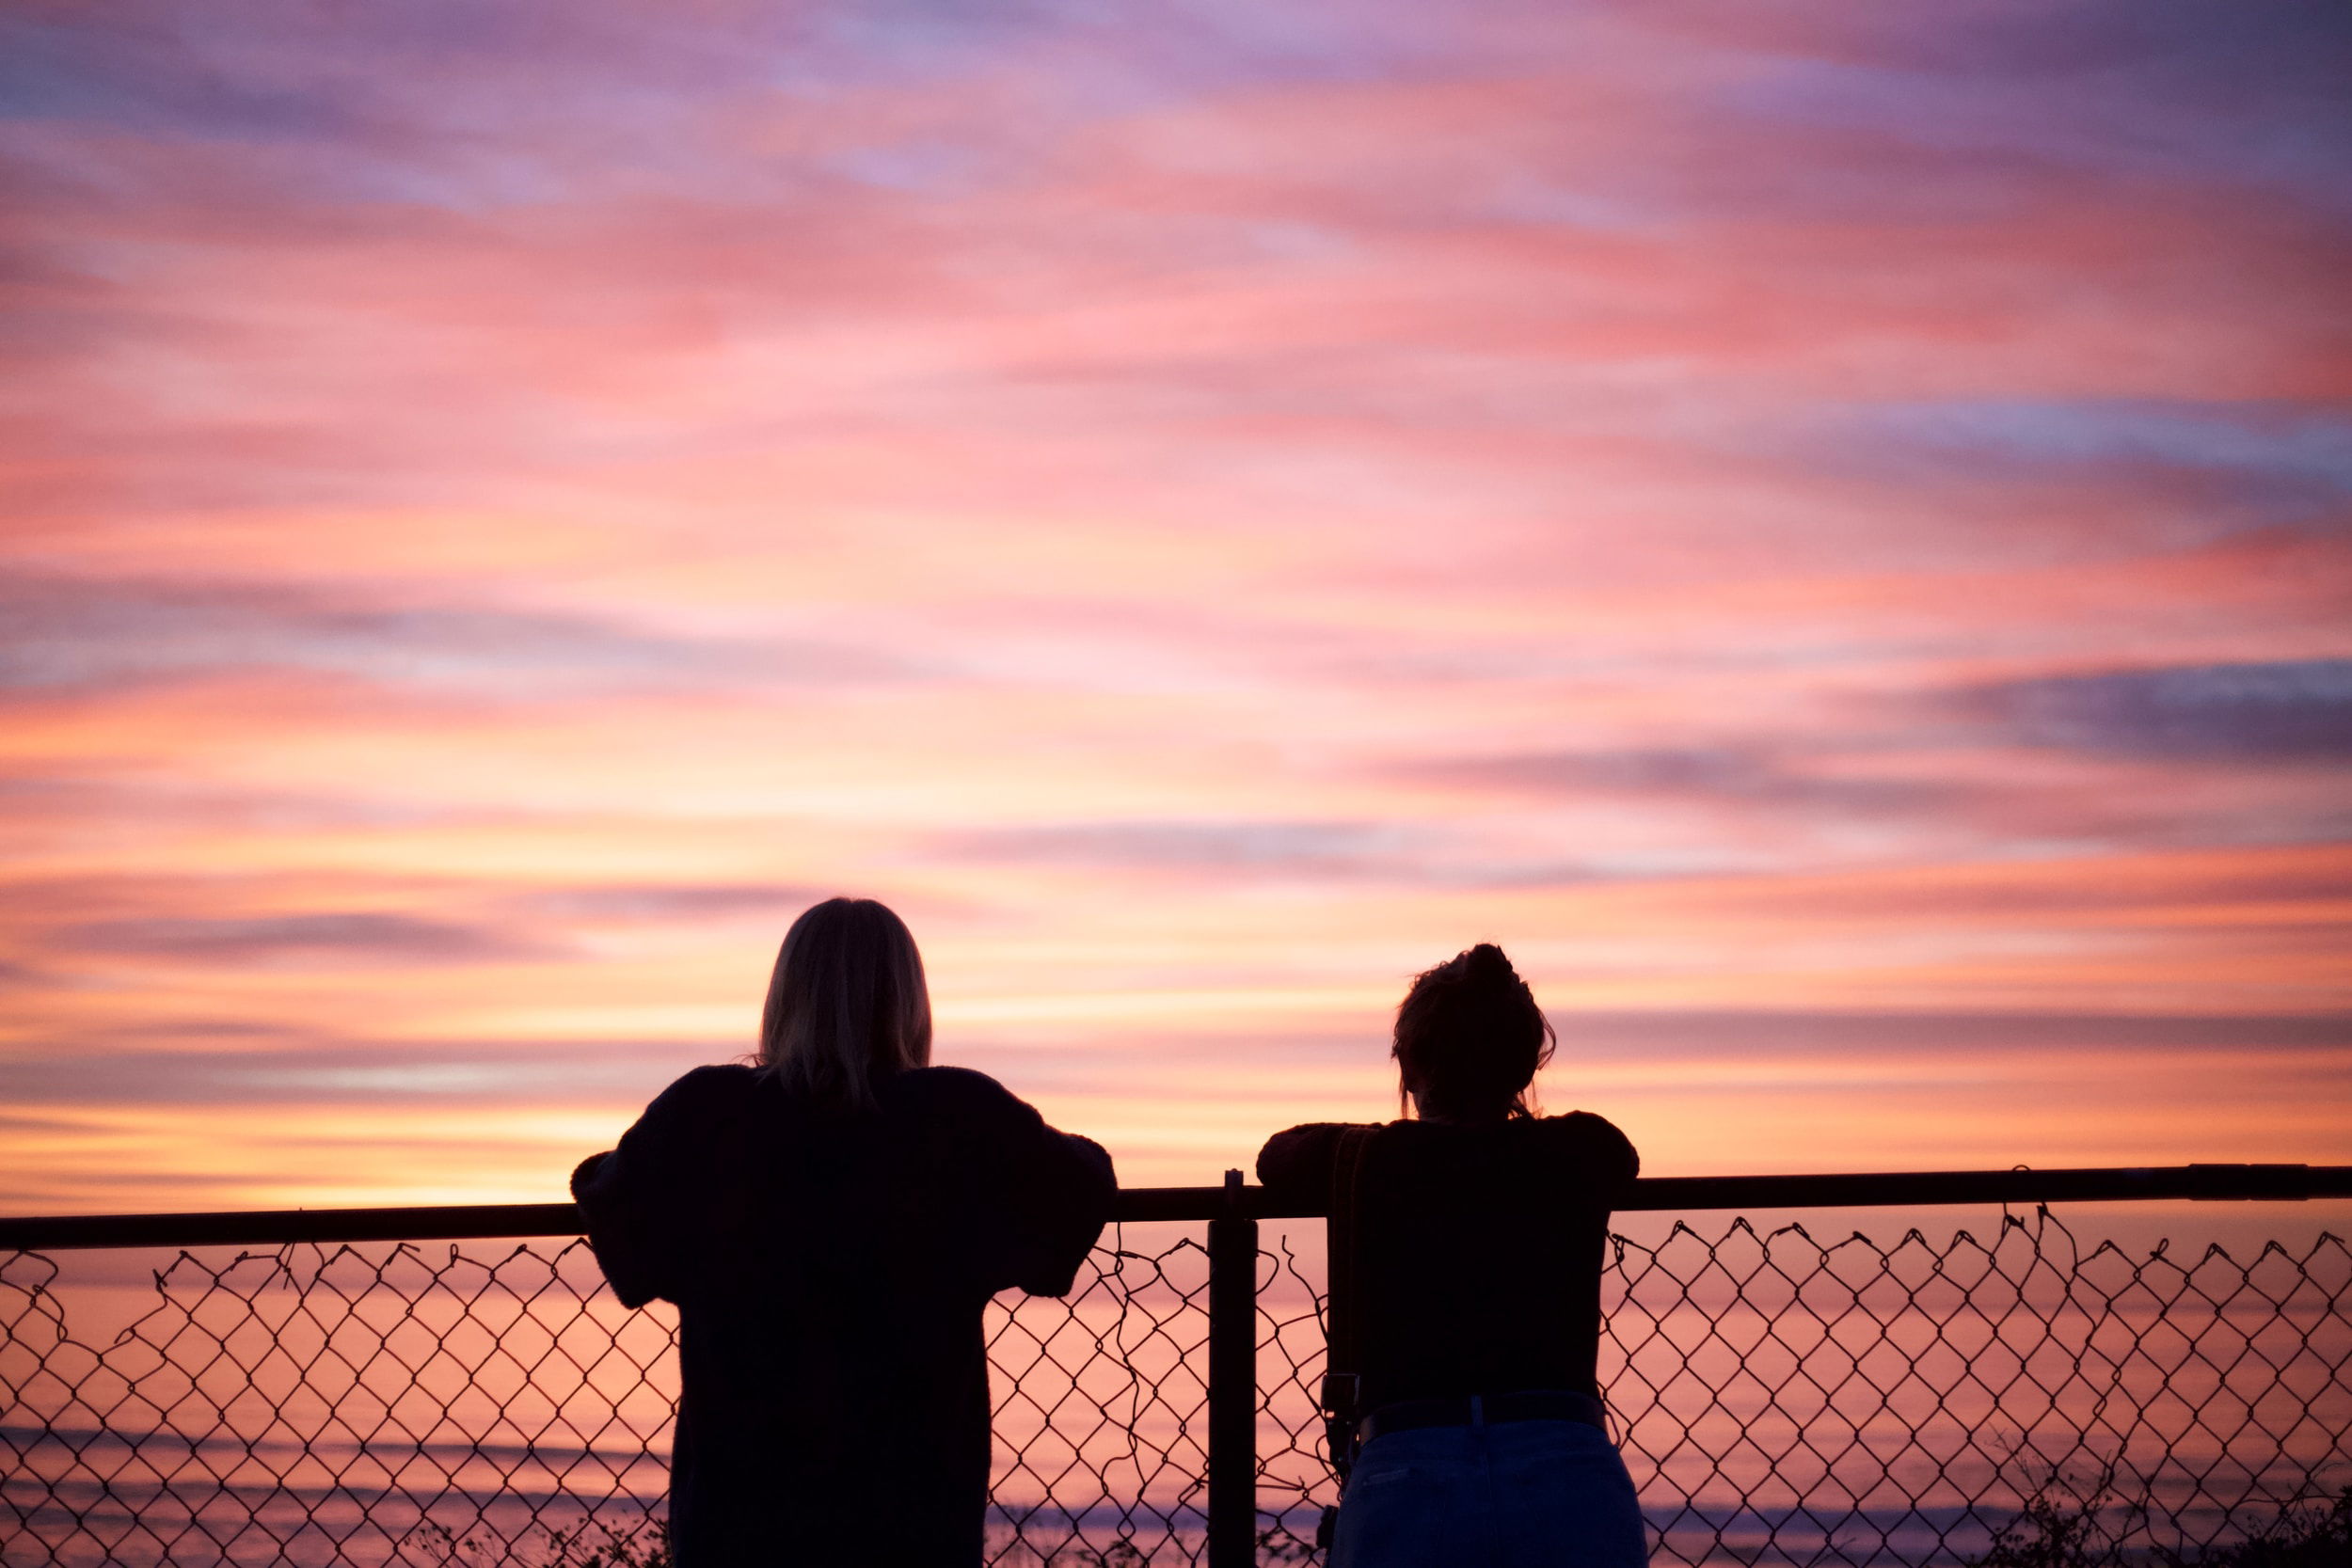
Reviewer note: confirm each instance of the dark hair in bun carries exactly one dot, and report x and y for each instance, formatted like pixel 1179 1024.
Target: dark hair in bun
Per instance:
pixel 1470 1036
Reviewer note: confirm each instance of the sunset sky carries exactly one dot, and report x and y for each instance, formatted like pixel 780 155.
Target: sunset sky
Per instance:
pixel 1823 529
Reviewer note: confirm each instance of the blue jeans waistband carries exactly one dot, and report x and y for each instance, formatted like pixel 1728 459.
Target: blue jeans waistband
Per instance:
pixel 1532 1404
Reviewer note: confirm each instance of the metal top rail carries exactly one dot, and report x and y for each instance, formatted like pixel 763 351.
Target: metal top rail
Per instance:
pixel 455 1222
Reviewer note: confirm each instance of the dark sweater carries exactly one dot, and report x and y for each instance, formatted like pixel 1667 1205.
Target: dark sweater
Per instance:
pixel 1480 1248
pixel 830 1270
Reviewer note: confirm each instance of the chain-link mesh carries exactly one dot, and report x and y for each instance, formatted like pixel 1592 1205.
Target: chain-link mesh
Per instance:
pixel 1785 1400
pixel 1779 1398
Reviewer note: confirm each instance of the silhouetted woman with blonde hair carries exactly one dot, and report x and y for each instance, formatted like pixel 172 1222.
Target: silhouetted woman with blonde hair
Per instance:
pixel 1467 1247
pixel 830 1222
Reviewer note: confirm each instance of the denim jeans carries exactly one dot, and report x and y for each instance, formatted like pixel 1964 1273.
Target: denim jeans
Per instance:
pixel 1518 1494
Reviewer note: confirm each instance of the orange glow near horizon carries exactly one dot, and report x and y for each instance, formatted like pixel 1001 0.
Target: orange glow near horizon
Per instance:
pixel 1824 536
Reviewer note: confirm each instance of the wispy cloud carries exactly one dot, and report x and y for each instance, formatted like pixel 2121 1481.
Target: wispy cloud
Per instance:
pixel 341 940
pixel 1726 774
pixel 77 634
pixel 2289 710
pixel 660 902
pixel 1290 848
pixel 344 1071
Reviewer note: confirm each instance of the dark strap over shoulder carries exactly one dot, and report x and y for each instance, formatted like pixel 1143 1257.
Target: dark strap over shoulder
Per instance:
pixel 1344 1339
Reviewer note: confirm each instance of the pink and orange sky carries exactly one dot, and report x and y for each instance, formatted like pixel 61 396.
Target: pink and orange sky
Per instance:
pixel 1823 529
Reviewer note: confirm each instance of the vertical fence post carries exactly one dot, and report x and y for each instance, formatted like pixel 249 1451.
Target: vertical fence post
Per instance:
pixel 1233 1384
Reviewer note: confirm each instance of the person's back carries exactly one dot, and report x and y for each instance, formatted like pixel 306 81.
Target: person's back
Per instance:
pixel 1479 1256
pixel 830 1255
pixel 1468 1250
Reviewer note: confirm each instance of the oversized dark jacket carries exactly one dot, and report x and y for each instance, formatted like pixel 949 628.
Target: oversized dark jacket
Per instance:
pixel 829 1269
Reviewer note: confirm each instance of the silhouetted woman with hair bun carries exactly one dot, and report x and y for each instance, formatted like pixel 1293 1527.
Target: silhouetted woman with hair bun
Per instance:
pixel 1464 1412
pixel 830 1222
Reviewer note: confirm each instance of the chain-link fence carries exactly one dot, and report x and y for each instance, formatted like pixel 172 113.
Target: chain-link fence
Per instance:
pixel 1789 1401
pixel 1780 1400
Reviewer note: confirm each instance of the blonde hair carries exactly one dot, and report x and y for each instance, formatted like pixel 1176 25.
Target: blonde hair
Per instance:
pixel 846 1004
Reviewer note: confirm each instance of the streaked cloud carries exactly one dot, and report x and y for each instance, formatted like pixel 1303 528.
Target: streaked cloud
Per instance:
pixel 337 940
pixel 1281 849
pixel 2283 711
pixel 1719 773
pixel 668 901
pixel 73 635
pixel 342 1072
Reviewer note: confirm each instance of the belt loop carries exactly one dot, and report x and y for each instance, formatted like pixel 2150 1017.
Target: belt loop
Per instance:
pixel 1478 1411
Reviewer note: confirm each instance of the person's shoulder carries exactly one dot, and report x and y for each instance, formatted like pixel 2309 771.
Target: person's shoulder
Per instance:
pixel 1310 1132
pixel 718 1080
pixel 684 1117
pixel 957 1085
pixel 1585 1135
pixel 957 1092
pixel 1583 1124
pixel 1303 1153
pixel 715 1085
